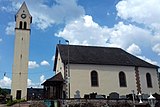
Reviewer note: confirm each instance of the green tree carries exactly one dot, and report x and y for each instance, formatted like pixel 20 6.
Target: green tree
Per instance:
pixel 3 92
pixel 0 90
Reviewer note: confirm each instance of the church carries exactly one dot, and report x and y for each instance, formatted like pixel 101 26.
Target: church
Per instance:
pixel 81 70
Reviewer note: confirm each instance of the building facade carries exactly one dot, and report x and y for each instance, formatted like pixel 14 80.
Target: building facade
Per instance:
pixel 21 53
pixel 101 70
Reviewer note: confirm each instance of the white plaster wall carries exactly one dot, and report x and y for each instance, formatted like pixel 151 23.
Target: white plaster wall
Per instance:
pixel 60 65
pixel 20 65
pixel 154 77
pixel 108 79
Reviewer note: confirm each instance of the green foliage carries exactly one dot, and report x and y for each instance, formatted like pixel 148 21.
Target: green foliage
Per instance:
pixel 0 90
pixel 12 102
pixel 3 92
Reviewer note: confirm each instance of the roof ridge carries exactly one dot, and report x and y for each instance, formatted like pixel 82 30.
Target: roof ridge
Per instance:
pixel 94 46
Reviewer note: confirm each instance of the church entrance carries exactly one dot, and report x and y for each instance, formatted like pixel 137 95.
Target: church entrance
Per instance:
pixel 53 91
pixel 18 94
pixel 53 87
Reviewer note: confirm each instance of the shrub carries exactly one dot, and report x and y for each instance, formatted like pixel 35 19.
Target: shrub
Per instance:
pixel 12 102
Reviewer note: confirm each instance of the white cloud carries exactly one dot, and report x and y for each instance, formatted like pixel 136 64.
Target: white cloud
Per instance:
pixel 10 28
pixel 134 49
pixel 156 38
pixel 32 84
pixel 10 5
pixel 38 84
pixel 60 11
pixel 85 31
pixel 141 12
pixel 53 57
pixel 108 13
pixel 29 82
pixel 44 63
pixel 42 79
pixel 145 15
pixel 156 48
pixel 1 40
pixel 125 35
pixel 32 64
pixel 5 82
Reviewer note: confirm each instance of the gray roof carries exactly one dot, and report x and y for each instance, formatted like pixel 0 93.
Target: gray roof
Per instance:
pixel 99 56
pixel 56 78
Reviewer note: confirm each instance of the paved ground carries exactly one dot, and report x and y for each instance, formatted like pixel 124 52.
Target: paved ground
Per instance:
pixel 21 105
pixel 26 104
pixel 2 105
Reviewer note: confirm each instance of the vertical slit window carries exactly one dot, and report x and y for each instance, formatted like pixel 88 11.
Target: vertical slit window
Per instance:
pixel 25 25
pixel 94 79
pixel 20 25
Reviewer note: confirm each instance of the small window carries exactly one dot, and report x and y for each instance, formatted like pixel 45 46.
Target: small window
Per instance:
pixel 20 25
pixel 25 25
pixel 122 79
pixel 94 79
pixel 149 80
pixel 21 56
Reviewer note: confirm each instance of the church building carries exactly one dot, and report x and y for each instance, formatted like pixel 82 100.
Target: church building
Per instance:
pixel 86 69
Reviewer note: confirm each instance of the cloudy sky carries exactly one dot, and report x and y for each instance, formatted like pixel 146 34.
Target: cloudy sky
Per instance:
pixel 133 25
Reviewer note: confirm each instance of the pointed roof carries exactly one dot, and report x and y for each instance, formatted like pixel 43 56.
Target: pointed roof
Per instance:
pixel 23 7
pixel 98 56
pixel 56 78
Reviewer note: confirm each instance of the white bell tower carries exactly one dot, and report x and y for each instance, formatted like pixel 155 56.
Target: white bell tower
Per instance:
pixel 21 53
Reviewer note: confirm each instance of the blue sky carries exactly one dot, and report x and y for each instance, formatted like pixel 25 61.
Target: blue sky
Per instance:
pixel 132 25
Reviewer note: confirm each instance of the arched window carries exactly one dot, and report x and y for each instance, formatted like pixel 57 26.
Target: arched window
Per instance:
pixel 25 25
pixel 122 79
pixel 20 24
pixel 94 78
pixel 149 80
